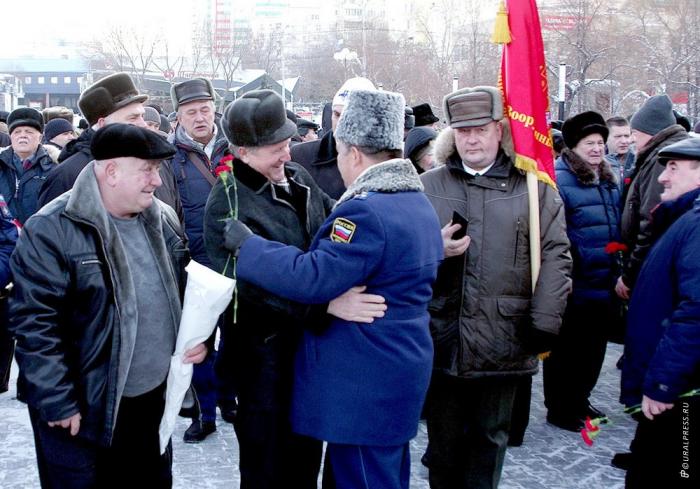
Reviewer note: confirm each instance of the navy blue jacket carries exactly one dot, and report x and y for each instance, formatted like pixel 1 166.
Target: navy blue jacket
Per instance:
pixel 20 187
pixel 592 221
pixel 361 384
pixel 8 240
pixel 194 188
pixel 662 348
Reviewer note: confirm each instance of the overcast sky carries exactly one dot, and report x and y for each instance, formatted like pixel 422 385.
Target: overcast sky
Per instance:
pixel 33 27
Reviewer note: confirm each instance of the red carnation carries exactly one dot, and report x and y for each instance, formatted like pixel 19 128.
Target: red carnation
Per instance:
pixel 628 180
pixel 615 247
pixel 220 169
pixel 226 159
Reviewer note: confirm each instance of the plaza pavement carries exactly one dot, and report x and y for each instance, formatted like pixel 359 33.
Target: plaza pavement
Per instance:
pixel 549 458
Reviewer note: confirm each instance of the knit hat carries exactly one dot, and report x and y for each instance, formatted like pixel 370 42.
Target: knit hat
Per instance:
pixel 372 119
pixel 473 107
pixel 655 115
pixel 191 90
pixel 164 124
pixel 424 115
pixel 258 118
pixel 151 115
pixel 108 95
pixel 409 120
pixel 581 125
pixel 125 140
pixel 55 127
pixel 25 116
pixel 416 139
pixel 357 83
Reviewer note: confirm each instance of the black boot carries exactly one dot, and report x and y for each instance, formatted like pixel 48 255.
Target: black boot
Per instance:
pixel 198 431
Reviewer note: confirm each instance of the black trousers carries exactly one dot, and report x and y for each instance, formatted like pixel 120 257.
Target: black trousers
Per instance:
pixel 468 425
pixel 133 459
pixel 271 456
pixel 571 371
pixel 666 450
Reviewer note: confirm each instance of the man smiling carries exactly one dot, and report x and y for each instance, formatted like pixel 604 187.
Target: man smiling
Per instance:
pixel 662 348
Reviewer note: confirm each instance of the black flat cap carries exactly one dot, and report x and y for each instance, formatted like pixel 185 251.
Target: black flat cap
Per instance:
pixel 307 123
pixel 191 90
pixel 258 118
pixel 688 149
pixel 125 140
pixel 25 116
pixel 424 115
pixel 108 95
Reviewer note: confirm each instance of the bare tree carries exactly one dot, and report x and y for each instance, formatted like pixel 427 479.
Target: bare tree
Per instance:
pixel 126 49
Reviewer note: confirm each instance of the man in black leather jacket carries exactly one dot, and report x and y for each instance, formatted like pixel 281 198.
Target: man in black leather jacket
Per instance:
pixel 98 275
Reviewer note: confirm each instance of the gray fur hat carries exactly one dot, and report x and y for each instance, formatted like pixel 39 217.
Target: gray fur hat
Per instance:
pixel 372 119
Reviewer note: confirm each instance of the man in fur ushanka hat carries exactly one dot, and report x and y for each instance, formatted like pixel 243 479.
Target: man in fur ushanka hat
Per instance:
pixel 363 388
pixel 489 323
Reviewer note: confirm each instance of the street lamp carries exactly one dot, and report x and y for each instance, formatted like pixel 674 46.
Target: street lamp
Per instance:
pixel 345 55
pixel 562 90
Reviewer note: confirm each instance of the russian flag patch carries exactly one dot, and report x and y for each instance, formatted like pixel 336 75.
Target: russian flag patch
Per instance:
pixel 342 230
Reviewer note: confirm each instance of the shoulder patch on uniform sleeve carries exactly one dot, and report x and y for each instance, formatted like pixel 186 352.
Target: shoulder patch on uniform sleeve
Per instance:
pixel 342 230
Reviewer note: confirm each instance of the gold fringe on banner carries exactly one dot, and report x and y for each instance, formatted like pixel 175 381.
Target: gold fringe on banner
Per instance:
pixel 501 31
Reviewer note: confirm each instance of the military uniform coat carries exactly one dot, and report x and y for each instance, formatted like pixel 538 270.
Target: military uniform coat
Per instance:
pixel 361 384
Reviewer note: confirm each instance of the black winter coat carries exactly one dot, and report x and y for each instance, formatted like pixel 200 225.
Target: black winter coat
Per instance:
pixel 268 327
pixel 320 159
pixel 72 307
pixel 643 195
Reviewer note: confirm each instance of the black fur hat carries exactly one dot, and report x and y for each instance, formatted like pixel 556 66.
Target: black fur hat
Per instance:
pixel 124 140
pixel 424 115
pixel 258 118
pixel 581 125
pixel 25 116
pixel 108 95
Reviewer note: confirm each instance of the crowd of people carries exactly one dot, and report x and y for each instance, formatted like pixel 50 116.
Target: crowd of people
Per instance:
pixel 383 275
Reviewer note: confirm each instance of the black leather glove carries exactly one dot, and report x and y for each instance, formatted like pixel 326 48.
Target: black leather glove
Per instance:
pixel 537 341
pixel 235 233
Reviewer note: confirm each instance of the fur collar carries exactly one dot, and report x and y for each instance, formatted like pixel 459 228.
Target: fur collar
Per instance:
pixel 583 171
pixel 397 175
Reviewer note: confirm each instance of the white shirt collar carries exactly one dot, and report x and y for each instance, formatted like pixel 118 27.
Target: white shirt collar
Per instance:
pixel 474 172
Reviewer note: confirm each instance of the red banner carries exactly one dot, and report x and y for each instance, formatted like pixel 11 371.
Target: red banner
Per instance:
pixel 523 81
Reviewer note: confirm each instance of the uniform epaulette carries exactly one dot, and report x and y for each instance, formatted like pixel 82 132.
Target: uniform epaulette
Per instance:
pixel 361 196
